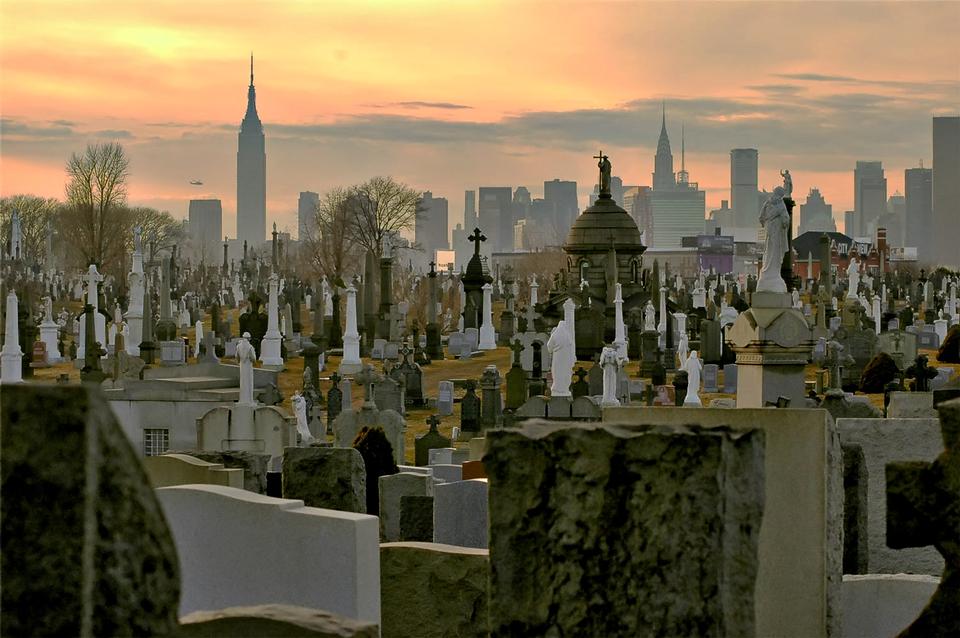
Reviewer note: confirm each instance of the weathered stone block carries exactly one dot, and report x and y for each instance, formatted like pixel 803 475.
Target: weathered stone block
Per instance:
pixel 599 530
pixel 182 469
pixel 272 621
pixel 394 487
pixel 85 547
pixel 433 590
pixel 333 478
pixel 460 513
pixel 416 518
pixel 253 464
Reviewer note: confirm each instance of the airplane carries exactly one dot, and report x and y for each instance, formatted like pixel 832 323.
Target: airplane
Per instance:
pixel 196 182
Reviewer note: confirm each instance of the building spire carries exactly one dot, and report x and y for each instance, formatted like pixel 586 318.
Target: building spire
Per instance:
pixel 663 122
pixel 683 148
pixel 251 121
pixel 251 68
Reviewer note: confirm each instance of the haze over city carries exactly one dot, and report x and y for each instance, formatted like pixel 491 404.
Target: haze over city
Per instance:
pixel 448 98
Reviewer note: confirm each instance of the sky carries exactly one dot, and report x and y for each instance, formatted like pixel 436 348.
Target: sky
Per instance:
pixel 449 96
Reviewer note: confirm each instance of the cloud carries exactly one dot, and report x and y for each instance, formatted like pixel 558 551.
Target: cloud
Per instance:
pixel 16 129
pixel 112 134
pixel 416 104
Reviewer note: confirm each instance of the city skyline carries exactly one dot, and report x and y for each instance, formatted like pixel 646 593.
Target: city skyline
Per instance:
pixel 356 113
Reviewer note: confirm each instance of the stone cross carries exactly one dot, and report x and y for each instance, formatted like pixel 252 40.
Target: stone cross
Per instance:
pixel 433 421
pixel 476 238
pixel 923 508
pixel 367 377
pixel 517 349
pixel 922 372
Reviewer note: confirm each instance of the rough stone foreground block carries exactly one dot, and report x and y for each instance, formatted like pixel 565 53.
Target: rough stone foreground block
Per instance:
pixel 85 548
pixel 254 465
pixel 599 530
pixel 886 441
pixel 238 548
pixel 911 405
pixel 182 469
pixel 433 590
pixel 272 621
pixel 393 487
pixel 801 551
pixel 883 604
pixel 460 513
pixel 416 518
pixel 330 477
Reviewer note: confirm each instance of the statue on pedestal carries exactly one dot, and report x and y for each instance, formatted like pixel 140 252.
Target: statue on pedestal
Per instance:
pixel 775 219
pixel 560 345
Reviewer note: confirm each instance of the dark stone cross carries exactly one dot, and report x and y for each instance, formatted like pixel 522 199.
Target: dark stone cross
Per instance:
pixel 923 508
pixel 367 377
pixel 517 349
pixel 922 373
pixel 433 421
pixel 433 269
pixel 476 238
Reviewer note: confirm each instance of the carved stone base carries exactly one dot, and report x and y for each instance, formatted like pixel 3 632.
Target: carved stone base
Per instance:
pixel 772 342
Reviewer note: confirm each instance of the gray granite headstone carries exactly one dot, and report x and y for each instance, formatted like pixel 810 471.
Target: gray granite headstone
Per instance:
pixel 445 398
pixel 730 378
pixel 710 374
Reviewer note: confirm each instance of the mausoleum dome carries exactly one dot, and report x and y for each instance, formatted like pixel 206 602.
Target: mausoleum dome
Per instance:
pixel 601 226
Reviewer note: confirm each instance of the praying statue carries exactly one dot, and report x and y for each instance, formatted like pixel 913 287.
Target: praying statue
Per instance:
pixel 649 317
pixel 776 221
pixel 300 410
pixel 246 356
pixel 853 278
pixel 610 363
pixel 693 367
pixel 560 346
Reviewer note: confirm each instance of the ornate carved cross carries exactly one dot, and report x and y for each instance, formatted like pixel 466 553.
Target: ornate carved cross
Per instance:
pixel 476 238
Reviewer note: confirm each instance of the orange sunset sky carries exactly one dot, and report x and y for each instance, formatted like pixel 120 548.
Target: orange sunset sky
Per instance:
pixel 449 96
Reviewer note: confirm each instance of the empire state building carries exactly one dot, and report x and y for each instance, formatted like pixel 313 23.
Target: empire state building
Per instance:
pixel 251 174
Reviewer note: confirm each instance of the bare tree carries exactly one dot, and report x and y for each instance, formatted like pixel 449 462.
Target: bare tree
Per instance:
pixel 379 208
pixel 38 217
pixel 96 192
pixel 331 247
pixel 156 226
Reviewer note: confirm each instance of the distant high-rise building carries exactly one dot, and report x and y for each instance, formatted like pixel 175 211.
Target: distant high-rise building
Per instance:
pixel 678 212
pixel 946 191
pixel 816 214
pixel 307 214
pixel 642 212
pixel 869 197
pixel 744 187
pixel 206 229
pixel 430 227
pixel 495 218
pixel 563 195
pixel 850 223
pixel 469 210
pixel 251 174
pixel 918 210
pixel 664 178
pixel 723 217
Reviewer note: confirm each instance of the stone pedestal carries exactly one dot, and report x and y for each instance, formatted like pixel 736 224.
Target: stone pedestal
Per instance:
pixel 772 343
pixel 49 332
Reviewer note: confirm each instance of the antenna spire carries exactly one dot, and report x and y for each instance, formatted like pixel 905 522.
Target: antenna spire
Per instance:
pixel 683 149
pixel 251 68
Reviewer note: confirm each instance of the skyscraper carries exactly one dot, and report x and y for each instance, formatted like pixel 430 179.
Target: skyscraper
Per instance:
pixel 869 197
pixel 918 210
pixel 206 225
pixel 251 174
pixel 495 218
pixel 306 214
pixel 679 210
pixel 430 228
pixel 664 178
pixel 469 211
pixel 946 191
pixel 743 187
pixel 816 214
pixel 563 195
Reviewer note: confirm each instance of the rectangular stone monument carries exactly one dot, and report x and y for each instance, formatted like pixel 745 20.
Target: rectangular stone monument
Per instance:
pixel 445 398
pixel 393 487
pixel 567 560
pixel 379 347
pixel 710 374
pixel 730 378
pixel 328 477
pixel 928 340
pixel 460 513
pixel 799 576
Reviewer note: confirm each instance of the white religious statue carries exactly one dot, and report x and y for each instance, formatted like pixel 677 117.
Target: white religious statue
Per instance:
pixel 246 356
pixel 649 317
pixel 776 221
pixel 197 338
pixel 610 363
pixel 853 278
pixel 560 347
pixel 683 346
pixel 693 367
pixel 300 410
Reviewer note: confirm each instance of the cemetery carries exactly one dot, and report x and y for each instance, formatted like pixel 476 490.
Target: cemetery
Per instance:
pixel 607 448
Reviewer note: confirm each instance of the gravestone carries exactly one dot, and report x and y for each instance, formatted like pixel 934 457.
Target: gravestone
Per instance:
pixel 379 347
pixel 928 340
pixel 416 519
pixel 460 513
pixel 491 412
pixel 730 378
pixel 580 387
pixel 710 374
pixel 328 477
pixel 334 401
pixel 516 380
pixel 470 408
pixel 595 379
pixel 429 441
pixel 86 547
pixel 923 508
pixel 445 398
pixel 580 568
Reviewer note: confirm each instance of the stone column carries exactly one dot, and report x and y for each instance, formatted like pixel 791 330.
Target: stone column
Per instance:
pixel 11 357
pixel 664 325
pixel 491 404
pixel 570 316
pixel 50 332
pixel 463 306
pixel 620 329
pixel 369 299
pixel 351 364
pixel 270 346
pixel 386 330
pixel 134 314
pixel 488 338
